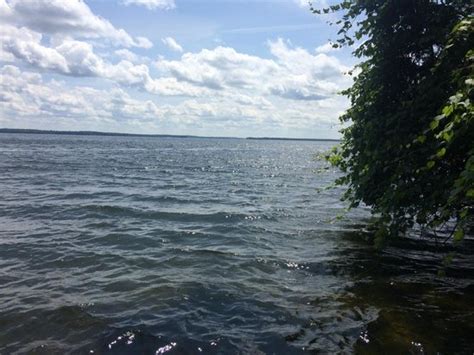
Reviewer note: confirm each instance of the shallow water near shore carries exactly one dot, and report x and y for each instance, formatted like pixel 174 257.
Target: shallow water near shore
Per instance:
pixel 120 245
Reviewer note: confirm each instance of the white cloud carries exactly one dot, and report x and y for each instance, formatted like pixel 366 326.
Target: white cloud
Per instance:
pixel 306 76
pixel 299 60
pixel 326 48
pixel 293 74
pixel 80 58
pixel 152 4
pixel 219 68
pixel 315 3
pixel 169 86
pixel 66 18
pixel 215 89
pixel 77 58
pixel 69 57
pixel 6 57
pixel 302 3
pixel 243 81
pixel 25 45
pixel 27 98
pixel 172 44
pixel 27 94
pixel 127 55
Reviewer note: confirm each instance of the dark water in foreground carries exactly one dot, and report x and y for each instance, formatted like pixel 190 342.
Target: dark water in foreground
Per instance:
pixel 130 245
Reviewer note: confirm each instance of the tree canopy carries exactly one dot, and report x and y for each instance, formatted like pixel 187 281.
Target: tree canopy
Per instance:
pixel 408 149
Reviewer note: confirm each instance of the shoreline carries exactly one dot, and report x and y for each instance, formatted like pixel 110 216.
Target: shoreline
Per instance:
pixel 117 134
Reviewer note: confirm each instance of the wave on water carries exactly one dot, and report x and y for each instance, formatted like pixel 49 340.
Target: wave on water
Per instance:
pixel 144 245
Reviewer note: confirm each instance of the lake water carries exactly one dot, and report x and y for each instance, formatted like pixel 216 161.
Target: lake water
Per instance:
pixel 131 245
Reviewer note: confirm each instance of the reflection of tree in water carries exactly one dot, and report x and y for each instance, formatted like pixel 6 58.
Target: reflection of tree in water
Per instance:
pixel 417 310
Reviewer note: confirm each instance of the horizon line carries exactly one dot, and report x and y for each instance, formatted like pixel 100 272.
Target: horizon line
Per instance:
pixel 100 133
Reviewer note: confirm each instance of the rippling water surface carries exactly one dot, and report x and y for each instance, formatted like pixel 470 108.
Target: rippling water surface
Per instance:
pixel 130 245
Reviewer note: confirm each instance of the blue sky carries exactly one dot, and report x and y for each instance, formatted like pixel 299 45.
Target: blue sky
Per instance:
pixel 227 68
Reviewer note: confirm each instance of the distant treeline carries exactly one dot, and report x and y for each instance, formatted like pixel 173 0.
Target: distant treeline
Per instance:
pixel 292 139
pixel 95 133
pixel 88 133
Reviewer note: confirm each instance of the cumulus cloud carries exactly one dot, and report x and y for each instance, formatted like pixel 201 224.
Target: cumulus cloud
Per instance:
pixel 64 17
pixel 219 68
pixel 51 104
pixel 215 87
pixel 171 43
pixel 326 48
pixel 27 94
pixel 244 82
pixel 127 55
pixel 299 60
pixel 152 4
pixel 70 57
pixel 25 45
pixel 77 58
pixel 80 58
pixel 169 86
pixel 294 73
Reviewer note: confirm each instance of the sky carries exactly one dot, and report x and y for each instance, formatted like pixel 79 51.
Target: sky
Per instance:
pixel 200 67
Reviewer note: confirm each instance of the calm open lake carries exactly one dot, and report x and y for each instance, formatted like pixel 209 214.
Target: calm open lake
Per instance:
pixel 130 245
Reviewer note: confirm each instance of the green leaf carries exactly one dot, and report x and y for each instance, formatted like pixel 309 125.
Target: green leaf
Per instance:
pixel 434 124
pixel 447 136
pixel 407 148
pixel 447 110
pixel 421 139
pixel 440 153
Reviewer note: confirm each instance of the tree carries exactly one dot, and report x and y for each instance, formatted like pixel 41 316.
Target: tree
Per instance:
pixel 408 151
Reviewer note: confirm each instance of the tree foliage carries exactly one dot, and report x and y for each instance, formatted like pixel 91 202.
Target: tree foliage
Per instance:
pixel 408 151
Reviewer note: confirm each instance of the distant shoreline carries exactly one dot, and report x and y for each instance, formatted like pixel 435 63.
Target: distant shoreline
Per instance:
pixel 96 133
